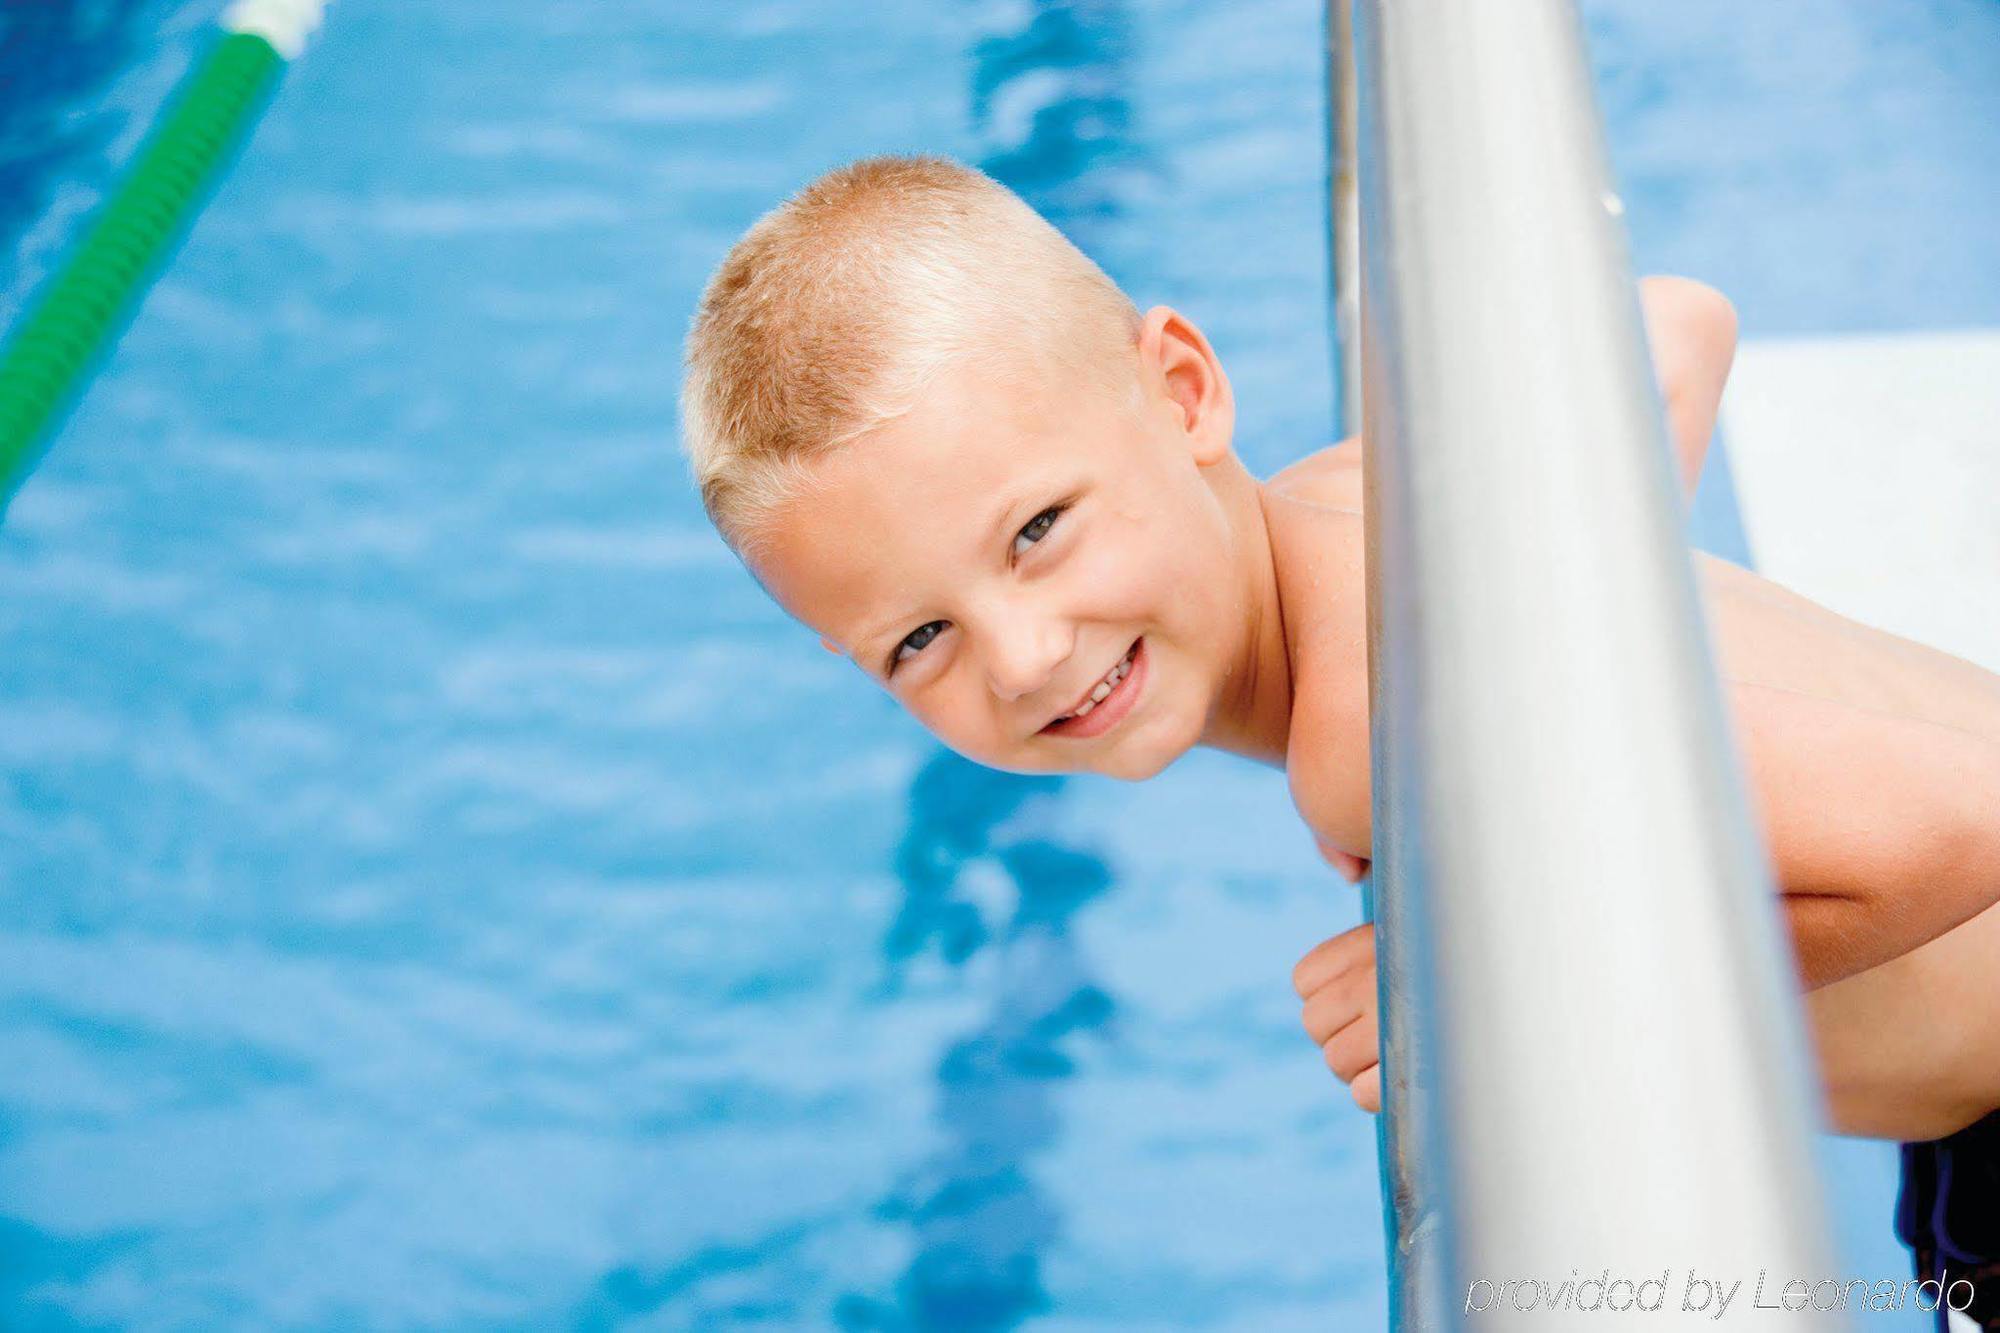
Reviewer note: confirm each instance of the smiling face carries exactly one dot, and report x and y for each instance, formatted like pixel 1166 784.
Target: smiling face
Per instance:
pixel 1043 570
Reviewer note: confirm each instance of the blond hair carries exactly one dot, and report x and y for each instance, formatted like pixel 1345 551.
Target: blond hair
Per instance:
pixel 832 313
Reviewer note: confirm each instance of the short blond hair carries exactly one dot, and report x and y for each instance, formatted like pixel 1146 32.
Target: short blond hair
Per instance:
pixel 833 312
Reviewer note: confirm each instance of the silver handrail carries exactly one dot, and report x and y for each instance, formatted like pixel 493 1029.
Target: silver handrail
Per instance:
pixel 1412 1228
pixel 1606 1071
pixel 1344 208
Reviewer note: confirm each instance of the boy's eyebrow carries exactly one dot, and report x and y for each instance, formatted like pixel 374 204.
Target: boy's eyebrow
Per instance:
pixel 1011 504
pixel 864 643
pixel 1003 515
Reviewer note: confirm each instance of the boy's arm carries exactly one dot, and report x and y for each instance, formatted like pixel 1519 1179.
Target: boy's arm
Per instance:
pixel 1911 1049
pixel 1883 827
pixel 1691 329
pixel 1693 335
pixel 1908 1050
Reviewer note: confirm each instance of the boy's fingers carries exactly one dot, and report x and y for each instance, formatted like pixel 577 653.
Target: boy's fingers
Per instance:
pixel 1338 1003
pixel 1347 865
pixel 1330 958
pixel 1353 1049
pixel 1367 1089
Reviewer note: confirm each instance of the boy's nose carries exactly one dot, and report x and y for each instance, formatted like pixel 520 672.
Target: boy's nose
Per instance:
pixel 1023 658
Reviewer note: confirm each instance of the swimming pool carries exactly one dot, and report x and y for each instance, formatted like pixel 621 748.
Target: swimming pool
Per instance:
pixel 441 892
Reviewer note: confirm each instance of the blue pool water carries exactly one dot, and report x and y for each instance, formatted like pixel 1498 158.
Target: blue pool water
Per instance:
pixel 438 891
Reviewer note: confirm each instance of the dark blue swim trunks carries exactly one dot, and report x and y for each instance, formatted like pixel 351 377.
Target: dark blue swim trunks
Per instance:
pixel 1949 1215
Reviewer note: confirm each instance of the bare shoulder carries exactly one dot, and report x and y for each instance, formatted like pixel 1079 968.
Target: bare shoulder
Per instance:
pixel 1313 513
pixel 1327 477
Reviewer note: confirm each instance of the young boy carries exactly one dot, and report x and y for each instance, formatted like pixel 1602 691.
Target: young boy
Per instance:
pixel 947 442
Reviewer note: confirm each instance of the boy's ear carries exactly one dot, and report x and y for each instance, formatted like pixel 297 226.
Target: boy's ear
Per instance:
pixel 1181 369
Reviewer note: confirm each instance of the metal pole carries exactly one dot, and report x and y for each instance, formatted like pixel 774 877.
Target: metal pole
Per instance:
pixel 1613 1082
pixel 1413 1233
pixel 1344 209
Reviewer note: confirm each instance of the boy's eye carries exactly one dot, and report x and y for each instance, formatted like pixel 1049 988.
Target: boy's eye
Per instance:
pixel 1036 529
pixel 915 642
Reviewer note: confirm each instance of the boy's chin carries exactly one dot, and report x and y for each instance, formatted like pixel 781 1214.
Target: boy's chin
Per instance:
pixel 1126 771
pixel 1124 763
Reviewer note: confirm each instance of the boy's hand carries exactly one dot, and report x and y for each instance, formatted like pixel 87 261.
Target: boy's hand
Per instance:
pixel 1337 982
pixel 1345 864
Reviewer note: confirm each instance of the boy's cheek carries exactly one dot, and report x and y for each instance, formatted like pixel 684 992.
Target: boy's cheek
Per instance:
pixel 959 727
pixel 985 745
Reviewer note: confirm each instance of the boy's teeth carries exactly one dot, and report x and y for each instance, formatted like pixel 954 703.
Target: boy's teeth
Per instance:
pixel 1103 687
